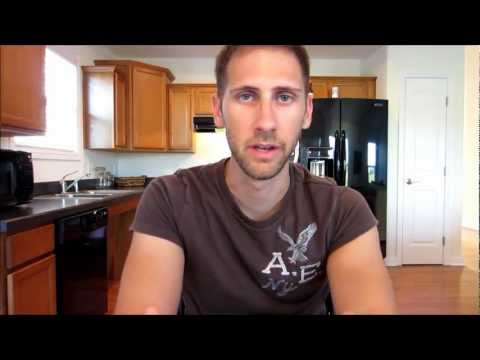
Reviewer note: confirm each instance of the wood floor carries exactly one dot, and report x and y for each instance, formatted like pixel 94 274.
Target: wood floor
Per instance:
pixel 449 290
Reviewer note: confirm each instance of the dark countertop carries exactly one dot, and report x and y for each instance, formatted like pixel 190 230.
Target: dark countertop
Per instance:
pixel 44 209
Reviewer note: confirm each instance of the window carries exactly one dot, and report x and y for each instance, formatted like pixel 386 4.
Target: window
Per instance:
pixel 61 136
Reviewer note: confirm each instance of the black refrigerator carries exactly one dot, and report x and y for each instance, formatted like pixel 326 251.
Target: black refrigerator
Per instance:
pixel 347 141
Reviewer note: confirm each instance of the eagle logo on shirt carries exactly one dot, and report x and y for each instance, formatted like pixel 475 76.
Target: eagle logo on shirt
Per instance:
pixel 298 249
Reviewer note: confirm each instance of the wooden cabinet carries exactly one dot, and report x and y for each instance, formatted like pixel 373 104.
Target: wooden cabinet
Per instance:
pixel 31 289
pixel 184 102
pixel 125 106
pixel 362 87
pixel 30 269
pixel 104 101
pixel 22 90
pixel 149 125
pixel 119 236
pixel 180 118
pixel 202 99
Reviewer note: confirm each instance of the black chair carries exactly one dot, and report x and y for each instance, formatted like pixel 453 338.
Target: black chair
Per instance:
pixel 329 304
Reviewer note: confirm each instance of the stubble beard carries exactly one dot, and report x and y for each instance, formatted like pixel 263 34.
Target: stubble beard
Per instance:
pixel 249 167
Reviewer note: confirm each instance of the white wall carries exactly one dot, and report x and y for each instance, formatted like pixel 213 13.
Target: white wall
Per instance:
pixel 202 70
pixel 471 138
pixel 428 61
pixel 52 170
pixel 210 147
pixel 186 70
pixel 336 67
pixel 376 65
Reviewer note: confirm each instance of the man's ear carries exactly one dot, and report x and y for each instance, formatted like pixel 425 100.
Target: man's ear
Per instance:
pixel 217 111
pixel 307 119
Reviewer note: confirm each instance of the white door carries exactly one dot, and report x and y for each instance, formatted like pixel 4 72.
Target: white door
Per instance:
pixel 424 164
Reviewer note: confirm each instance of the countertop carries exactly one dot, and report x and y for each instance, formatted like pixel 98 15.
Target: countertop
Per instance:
pixel 44 209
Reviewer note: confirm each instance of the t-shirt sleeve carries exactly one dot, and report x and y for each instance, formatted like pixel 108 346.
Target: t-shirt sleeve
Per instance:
pixel 351 219
pixel 155 213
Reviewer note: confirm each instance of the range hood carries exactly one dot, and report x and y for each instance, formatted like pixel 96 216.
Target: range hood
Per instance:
pixel 203 124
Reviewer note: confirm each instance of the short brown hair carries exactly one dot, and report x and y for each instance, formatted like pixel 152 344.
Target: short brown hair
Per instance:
pixel 225 55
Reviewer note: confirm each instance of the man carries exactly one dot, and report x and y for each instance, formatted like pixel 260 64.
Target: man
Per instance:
pixel 255 233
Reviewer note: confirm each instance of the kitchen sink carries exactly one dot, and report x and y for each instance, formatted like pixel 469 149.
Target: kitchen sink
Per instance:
pixel 82 195
pixel 85 194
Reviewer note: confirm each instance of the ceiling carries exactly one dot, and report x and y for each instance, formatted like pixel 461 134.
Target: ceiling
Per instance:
pixel 209 51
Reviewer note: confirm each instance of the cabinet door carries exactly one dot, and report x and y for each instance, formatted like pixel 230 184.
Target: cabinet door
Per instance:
pixel 320 89
pixel 180 119
pixel 149 123
pixel 22 91
pixel 120 111
pixel 105 107
pixel 202 100
pixel 98 102
pixel 31 289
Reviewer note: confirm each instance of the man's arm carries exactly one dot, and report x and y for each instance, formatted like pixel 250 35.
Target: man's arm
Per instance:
pixel 358 278
pixel 152 277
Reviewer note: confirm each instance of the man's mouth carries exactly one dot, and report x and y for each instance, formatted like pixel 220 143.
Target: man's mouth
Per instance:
pixel 264 151
pixel 265 147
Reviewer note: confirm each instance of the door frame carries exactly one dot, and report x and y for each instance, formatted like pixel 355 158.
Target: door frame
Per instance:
pixel 402 158
pixel 452 254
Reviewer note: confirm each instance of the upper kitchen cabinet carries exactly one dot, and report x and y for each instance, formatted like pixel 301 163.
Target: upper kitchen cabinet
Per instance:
pixel 180 118
pixel 22 90
pixel 126 106
pixel 362 87
pixel 202 99
pixel 105 107
pixel 186 101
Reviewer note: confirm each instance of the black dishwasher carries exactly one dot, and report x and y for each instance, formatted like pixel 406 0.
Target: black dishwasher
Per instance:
pixel 81 259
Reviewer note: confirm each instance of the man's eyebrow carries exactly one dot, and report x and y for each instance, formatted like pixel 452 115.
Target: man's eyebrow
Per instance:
pixel 288 88
pixel 277 89
pixel 244 88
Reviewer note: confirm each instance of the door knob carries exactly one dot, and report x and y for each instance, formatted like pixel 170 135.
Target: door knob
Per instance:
pixel 410 182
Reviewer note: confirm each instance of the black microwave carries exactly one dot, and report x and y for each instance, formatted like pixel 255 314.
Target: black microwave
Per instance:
pixel 16 177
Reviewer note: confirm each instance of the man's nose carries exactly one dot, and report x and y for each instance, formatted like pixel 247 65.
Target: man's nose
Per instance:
pixel 266 119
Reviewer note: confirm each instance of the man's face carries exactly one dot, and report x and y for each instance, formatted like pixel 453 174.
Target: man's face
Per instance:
pixel 263 109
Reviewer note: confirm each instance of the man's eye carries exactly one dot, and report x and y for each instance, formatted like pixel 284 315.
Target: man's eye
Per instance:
pixel 285 98
pixel 245 97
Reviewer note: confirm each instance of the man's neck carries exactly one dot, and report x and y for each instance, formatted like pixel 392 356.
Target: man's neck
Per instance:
pixel 258 199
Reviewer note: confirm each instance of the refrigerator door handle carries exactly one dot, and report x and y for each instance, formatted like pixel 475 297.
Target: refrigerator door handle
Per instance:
pixel 343 158
pixel 336 157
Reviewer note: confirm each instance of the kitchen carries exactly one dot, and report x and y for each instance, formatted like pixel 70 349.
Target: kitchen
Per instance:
pixel 190 69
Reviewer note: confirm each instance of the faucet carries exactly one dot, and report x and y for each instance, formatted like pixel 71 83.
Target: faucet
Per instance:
pixel 74 183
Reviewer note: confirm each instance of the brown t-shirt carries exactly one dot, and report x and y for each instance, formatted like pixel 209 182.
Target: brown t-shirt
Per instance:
pixel 234 265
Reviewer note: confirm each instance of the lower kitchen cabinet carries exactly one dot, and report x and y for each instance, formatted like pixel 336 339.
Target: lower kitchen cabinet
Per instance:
pixel 31 273
pixel 31 289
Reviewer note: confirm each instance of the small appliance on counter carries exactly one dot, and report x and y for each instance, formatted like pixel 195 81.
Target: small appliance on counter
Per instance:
pixel 105 178
pixel 16 178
